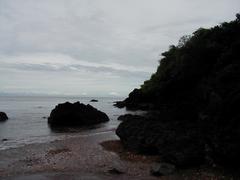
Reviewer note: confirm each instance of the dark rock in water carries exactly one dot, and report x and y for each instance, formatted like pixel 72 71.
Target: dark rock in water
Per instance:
pixel 162 169
pixel 3 116
pixel 133 106
pixel 3 140
pixel 136 101
pixel 119 104
pixel 126 117
pixel 94 100
pixel 76 114
pixel 44 117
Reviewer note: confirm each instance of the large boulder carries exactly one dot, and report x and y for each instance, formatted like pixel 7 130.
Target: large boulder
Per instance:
pixel 168 139
pixel 76 114
pixel 3 116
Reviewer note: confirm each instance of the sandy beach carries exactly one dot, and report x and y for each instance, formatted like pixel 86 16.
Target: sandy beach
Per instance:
pixel 94 157
pixel 81 157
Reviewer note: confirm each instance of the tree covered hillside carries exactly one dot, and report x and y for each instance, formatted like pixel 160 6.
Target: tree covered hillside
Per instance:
pixel 195 95
pixel 209 60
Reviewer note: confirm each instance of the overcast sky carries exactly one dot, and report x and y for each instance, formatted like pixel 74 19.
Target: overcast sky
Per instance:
pixel 94 47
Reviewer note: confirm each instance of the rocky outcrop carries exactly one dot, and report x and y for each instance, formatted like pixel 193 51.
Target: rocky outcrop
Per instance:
pixel 94 100
pixel 119 104
pixel 135 101
pixel 196 91
pixel 170 140
pixel 76 114
pixel 3 116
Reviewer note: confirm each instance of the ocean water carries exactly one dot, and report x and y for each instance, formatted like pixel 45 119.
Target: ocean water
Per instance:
pixel 27 124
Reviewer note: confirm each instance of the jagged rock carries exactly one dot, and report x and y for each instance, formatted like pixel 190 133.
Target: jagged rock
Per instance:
pixel 3 116
pixel 76 114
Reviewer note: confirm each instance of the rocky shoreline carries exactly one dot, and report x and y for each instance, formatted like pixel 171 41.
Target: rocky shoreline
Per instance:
pixel 97 156
pixel 191 129
pixel 79 155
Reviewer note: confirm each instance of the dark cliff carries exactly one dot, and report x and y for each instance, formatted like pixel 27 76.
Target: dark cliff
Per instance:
pixel 196 92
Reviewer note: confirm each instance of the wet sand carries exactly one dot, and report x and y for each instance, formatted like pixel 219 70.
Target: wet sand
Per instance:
pixel 74 157
pixel 91 157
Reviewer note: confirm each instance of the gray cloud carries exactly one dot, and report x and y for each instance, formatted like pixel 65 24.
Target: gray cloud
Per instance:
pixel 116 43
pixel 75 67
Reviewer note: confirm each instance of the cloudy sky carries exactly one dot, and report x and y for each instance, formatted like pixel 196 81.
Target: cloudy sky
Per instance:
pixel 94 47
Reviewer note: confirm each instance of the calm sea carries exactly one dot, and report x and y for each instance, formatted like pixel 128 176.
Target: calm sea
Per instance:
pixel 27 124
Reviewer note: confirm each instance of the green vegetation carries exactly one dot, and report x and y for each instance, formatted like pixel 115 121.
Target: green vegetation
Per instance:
pixel 196 97
pixel 199 57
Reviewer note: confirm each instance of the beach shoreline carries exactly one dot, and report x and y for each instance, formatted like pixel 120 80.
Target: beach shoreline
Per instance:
pixel 94 156
pixel 81 155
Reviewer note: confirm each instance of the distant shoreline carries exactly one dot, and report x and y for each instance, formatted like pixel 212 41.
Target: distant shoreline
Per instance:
pixel 60 96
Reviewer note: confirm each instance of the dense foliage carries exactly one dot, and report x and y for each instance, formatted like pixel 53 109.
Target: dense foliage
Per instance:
pixel 196 90
pixel 198 59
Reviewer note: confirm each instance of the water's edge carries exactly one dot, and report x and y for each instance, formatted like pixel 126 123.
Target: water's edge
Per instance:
pixel 27 122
